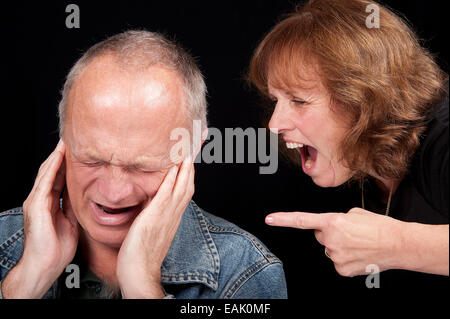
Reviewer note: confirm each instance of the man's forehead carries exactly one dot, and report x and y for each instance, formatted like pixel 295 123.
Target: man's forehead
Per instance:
pixel 129 90
pixel 152 99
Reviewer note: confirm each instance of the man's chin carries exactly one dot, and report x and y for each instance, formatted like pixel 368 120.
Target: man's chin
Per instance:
pixel 109 238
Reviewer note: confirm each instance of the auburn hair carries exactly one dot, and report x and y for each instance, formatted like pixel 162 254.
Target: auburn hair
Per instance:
pixel 379 78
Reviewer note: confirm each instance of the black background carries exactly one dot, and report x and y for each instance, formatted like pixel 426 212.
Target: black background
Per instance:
pixel 38 50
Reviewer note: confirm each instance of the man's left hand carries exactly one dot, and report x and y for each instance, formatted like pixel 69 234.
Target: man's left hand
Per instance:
pixel 150 236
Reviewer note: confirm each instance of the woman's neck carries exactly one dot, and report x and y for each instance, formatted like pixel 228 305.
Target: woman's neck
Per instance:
pixel 386 185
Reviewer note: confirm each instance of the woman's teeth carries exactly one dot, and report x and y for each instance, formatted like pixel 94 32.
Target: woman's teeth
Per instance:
pixel 293 145
pixel 308 163
pixel 308 155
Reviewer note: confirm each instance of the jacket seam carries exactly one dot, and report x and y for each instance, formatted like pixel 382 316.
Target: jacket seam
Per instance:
pixel 246 276
pixel 182 279
pixel 263 251
pixel 209 248
pixel 207 237
pixel 4 260
pixel 12 239
pixel 13 211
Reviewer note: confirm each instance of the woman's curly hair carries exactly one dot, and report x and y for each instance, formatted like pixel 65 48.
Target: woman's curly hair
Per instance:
pixel 380 79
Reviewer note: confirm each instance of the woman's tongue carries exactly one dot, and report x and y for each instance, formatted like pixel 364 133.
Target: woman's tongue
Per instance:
pixel 311 155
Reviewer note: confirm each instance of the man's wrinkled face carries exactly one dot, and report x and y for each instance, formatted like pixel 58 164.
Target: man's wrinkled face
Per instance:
pixel 117 133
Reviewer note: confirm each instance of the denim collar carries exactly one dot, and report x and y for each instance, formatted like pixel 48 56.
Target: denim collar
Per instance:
pixel 193 255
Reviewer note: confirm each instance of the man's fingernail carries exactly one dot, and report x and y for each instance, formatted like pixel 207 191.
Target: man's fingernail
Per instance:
pixel 269 220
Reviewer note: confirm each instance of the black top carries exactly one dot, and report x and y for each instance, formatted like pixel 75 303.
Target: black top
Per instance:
pixel 423 194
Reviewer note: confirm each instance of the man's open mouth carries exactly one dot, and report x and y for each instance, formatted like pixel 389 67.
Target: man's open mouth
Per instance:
pixel 110 210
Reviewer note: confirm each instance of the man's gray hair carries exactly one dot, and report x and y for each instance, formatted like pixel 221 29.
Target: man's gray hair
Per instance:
pixel 139 50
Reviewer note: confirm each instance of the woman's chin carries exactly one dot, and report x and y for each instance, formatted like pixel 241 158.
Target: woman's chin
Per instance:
pixel 321 183
pixel 325 181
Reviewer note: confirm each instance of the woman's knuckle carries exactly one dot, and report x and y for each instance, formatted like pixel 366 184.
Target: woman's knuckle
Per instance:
pixel 342 270
pixel 354 210
pixel 337 221
pixel 298 222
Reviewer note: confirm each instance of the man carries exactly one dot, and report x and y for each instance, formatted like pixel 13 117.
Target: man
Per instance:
pixel 115 199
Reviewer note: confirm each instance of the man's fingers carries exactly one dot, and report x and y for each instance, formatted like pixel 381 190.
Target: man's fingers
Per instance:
pixel 68 211
pixel 45 164
pixel 42 170
pixel 174 184
pixel 297 220
pixel 183 179
pixel 60 179
pixel 166 187
pixel 45 183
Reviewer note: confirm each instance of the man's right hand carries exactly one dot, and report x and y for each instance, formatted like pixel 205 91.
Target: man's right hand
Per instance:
pixel 51 235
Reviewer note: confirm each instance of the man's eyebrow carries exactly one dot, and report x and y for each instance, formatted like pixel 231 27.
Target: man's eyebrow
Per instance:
pixel 87 155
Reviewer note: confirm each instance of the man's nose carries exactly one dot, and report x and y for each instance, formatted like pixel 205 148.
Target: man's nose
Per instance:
pixel 115 186
pixel 280 120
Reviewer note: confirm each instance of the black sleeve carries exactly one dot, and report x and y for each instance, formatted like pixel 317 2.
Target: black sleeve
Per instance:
pixel 433 160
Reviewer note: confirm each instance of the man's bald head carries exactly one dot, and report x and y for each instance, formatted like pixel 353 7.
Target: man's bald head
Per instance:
pixel 136 52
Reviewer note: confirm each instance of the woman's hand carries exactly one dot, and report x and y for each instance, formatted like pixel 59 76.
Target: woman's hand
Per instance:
pixel 353 240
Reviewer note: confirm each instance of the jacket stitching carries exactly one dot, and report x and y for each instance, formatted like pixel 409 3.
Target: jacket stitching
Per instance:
pixel 17 210
pixel 269 257
pixel 5 261
pixel 209 240
pixel 11 240
pixel 245 276
pixel 188 277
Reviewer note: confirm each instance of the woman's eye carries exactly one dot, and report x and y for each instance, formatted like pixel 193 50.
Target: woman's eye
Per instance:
pixel 298 102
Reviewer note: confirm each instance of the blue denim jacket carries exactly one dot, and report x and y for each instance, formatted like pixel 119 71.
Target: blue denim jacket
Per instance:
pixel 209 258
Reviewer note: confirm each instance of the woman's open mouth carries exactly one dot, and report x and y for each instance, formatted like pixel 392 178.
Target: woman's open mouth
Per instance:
pixel 308 155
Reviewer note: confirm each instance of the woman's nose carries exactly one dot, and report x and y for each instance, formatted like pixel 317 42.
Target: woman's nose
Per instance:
pixel 280 121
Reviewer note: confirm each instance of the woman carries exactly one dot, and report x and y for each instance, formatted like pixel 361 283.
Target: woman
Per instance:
pixel 357 101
